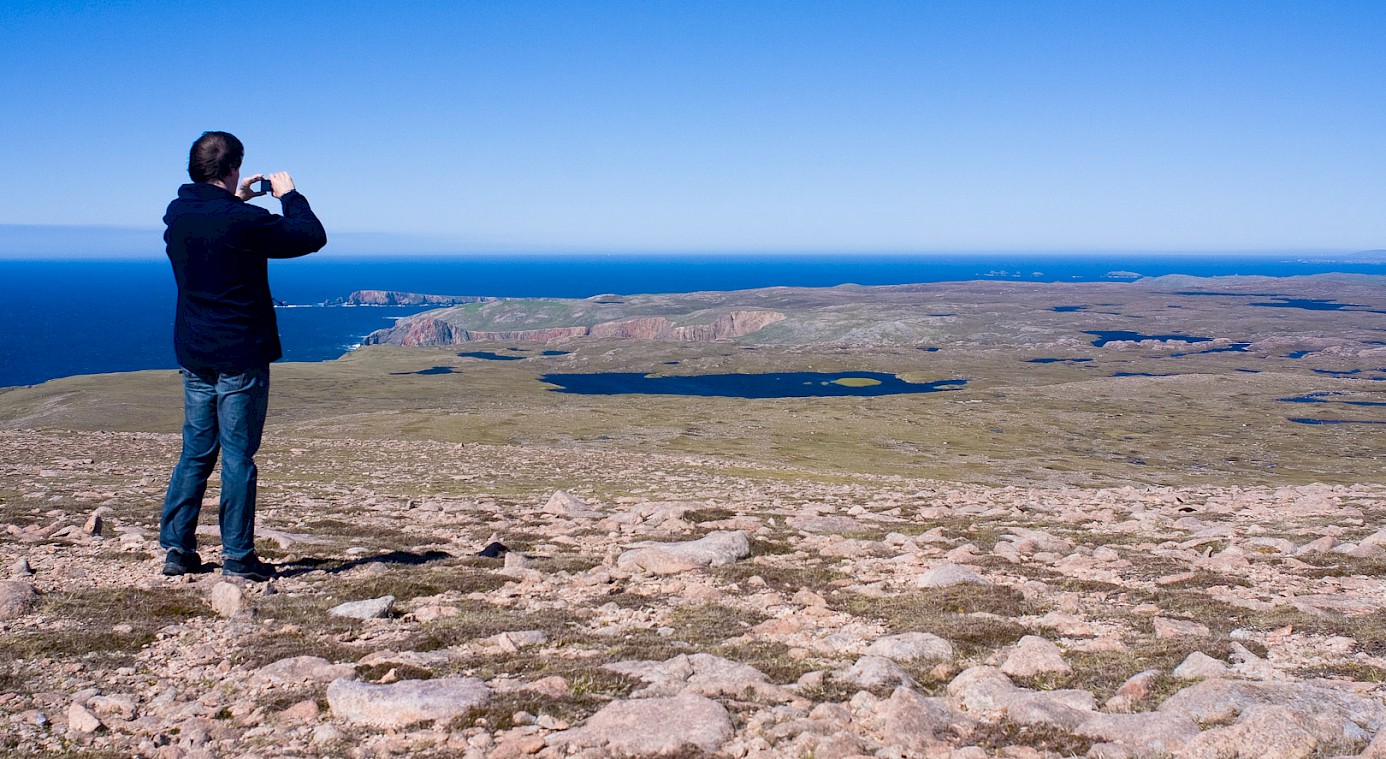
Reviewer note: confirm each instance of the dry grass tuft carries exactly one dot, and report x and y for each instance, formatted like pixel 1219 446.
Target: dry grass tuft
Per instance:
pixel 87 617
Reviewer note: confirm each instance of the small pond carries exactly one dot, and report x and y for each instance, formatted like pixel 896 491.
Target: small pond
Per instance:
pixel 430 371
pixel 1105 336
pixel 773 385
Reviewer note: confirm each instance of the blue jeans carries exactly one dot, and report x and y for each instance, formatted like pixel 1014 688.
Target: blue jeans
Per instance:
pixel 222 412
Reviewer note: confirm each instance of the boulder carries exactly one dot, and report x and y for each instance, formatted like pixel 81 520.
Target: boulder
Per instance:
pixel 713 550
pixel 873 671
pixel 227 599
pixel 912 645
pixel 1328 714
pixel 915 723
pixel 406 702
pixel 652 727
pixel 371 608
pixel 1200 666
pixel 16 599
pixel 301 669
pixel 81 720
pixel 563 504
pixel 1145 734
pixel 1034 655
pixel 948 574
pixel 1179 628
pixel 703 674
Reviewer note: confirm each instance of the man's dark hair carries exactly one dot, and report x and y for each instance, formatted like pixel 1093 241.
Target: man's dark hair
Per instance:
pixel 214 156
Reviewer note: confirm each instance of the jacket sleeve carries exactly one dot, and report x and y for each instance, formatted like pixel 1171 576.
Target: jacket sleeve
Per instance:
pixel 297 233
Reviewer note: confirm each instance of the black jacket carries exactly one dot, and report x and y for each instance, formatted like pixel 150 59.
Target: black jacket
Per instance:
pixel 220 247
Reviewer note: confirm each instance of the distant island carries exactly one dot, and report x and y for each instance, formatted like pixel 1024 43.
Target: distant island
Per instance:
pixel 396 298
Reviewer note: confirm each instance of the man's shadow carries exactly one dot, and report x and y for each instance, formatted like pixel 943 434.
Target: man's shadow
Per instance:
pixel 337 566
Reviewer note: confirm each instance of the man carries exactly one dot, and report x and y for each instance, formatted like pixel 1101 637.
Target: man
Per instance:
pixel 225 337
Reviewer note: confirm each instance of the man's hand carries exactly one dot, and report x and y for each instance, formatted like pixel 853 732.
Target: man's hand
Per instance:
pixel 244 192
pixel 281 183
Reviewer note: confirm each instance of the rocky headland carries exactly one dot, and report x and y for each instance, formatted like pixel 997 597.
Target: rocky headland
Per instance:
pixel 1153 547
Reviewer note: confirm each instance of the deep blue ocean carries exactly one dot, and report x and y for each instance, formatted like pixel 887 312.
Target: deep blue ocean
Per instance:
pixel 81 317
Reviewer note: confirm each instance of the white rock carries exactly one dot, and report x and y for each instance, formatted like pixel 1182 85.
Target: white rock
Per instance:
pixel 713 550
pixel 1199 666
pixel 406 702
pixel 227 599
pixel 371 608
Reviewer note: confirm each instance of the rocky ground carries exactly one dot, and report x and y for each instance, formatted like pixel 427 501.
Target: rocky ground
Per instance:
pixel 653 604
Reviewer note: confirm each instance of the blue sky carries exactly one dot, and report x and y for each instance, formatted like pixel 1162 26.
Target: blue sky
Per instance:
pixel 861 125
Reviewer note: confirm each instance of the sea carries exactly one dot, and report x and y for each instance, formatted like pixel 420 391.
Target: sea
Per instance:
pixel 69 317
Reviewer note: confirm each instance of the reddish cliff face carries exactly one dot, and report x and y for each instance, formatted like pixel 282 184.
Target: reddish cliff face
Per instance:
pixel 734 324
pixel 425 329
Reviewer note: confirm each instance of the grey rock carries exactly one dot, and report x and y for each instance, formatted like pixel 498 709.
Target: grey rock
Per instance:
pixel 713 550
pixel 947 574
pixel 21 568
pixel 406 702
pixel 652 726
pixel 912 645
pixel 371 608
pixel 873 671
pixel 16 599
pixel 301 669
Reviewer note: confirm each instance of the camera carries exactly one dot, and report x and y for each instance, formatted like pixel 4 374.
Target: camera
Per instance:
pixel 264 186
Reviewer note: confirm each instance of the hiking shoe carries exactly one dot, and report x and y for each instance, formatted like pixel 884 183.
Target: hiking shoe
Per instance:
pixel 182 563
pixel 250 567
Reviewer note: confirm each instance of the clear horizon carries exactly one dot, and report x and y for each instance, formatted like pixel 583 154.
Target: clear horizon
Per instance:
pixel 1143 128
